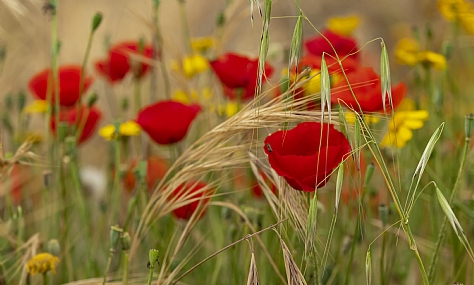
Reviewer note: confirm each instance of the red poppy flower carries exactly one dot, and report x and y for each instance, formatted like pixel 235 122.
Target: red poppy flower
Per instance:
pixel 156 170
pixel 238 74
pixel 307 154
pixel 167 122
pixel 69 81
pixel 192 191
pixel 69 116
pixel 118 63
pixel 342 44
pixel 366 85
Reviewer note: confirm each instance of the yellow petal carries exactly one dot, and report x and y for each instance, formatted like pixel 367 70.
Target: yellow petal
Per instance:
pixel 420 114
pixel 404 133
pixel 343 25
pixel 231 109
pixel 406 105
pixel 313 86
pixel 452 9
pixel 406 51
pixel 107 132
pixel 194 64
pixel 202 44
pixel 438 61
pixel 413 124
pixel 38 106
pixel 130 128
pixel 467 21
pixel 181 96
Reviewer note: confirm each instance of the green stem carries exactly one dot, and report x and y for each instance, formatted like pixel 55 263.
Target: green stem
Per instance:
pixel 107 268
pixel 351 256
pixel 125 269
pixel 184 26
pixel 115 189
pixel 150 276
pixel 382 258
pixel 441 233
pixel 158 47
pixel 45 278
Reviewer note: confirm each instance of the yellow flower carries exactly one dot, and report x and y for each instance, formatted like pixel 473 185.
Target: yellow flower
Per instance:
pixel 401 127
pixel 185 98
pixel 228 109
pixel 406 51
pixel 191 65
pixel 351 118
pixel 313 86
pixel 438 61
pixel 343 25
pixel 129 128
pixel 201 45
pixel 42 263
pixel 38 106
pixel 467 21
pixel 453 9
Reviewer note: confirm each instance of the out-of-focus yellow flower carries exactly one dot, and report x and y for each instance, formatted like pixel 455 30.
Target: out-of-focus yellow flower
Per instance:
pixel 42 263
pixel 229 109
pixel 467 21
pixel 401 127
pixel 407 105
pixel 351 117
pixel 191 65
pixel 202 44
pixel 407 52
pixel 188 98
pixel 343 25
pixel 438 61
pixel 129 128
pixel 313 86
pixel 38 106
pixel 452 9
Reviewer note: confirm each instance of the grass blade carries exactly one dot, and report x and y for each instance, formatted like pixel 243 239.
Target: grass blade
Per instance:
pixel 385 77
pixel 325 89
pixel 295 48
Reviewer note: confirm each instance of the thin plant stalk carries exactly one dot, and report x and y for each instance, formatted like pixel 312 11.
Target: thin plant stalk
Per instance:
pixel 126 262
pixel 107 268
pixel 158 50
pixel 441 234
pixel 115 188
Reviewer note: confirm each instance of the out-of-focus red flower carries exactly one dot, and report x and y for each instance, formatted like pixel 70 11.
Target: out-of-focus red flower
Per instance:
pixel 343 45
pixel 118 62
pixel 238 75
pixel 257 191
pixel 156 170
pixel 366 84
pixel 69 81
pixel 307 154
pixel 18 176
pixel 91 116
pixel 167 122
pixel 191 190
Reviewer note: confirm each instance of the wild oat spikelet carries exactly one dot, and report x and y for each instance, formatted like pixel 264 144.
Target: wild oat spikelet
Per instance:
pixel 42 263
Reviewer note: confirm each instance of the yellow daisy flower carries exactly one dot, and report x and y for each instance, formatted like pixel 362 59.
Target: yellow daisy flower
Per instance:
pixel 438 61
pixel 452 9
pixel 401 127
pixel 188 98
pixel 129 128
pixel 191 65
pixel 343 25
pixel 202 44
pixel 38 106
pixel 42 263
pixel 407 52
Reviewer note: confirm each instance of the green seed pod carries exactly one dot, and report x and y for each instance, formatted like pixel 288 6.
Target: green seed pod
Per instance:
pixel 54 248
pixel 115 233
pixel 92 100
pixel 96 21
pixel 152 258
pixel 126 241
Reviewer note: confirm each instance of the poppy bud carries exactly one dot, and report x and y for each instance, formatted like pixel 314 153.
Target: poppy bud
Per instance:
pixel 157 3
pixel 115 233
pixel 220 21
pixel 126 241
pixel 9 101
pixel 124 104
pixel 368 173
pixel 468 125
pixel 92 99
pixel 152 258
pixel 21 100
pixel 383 213
pixel 96 21
pixel 53 247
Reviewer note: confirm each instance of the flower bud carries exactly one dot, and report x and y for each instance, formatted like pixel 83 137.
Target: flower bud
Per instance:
pixel 115 233
pixel 156 2
pixel 92 99
pixel 21 101
pixel 152 258
pixel 468 125
pixel 53 247
pixel 447 49
pixel 96 21
pixel 383 213
pixel 368 174
pixel 126 241
pixel 220 21
pixel 9 101
pixel 63 129
pixel 124 104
